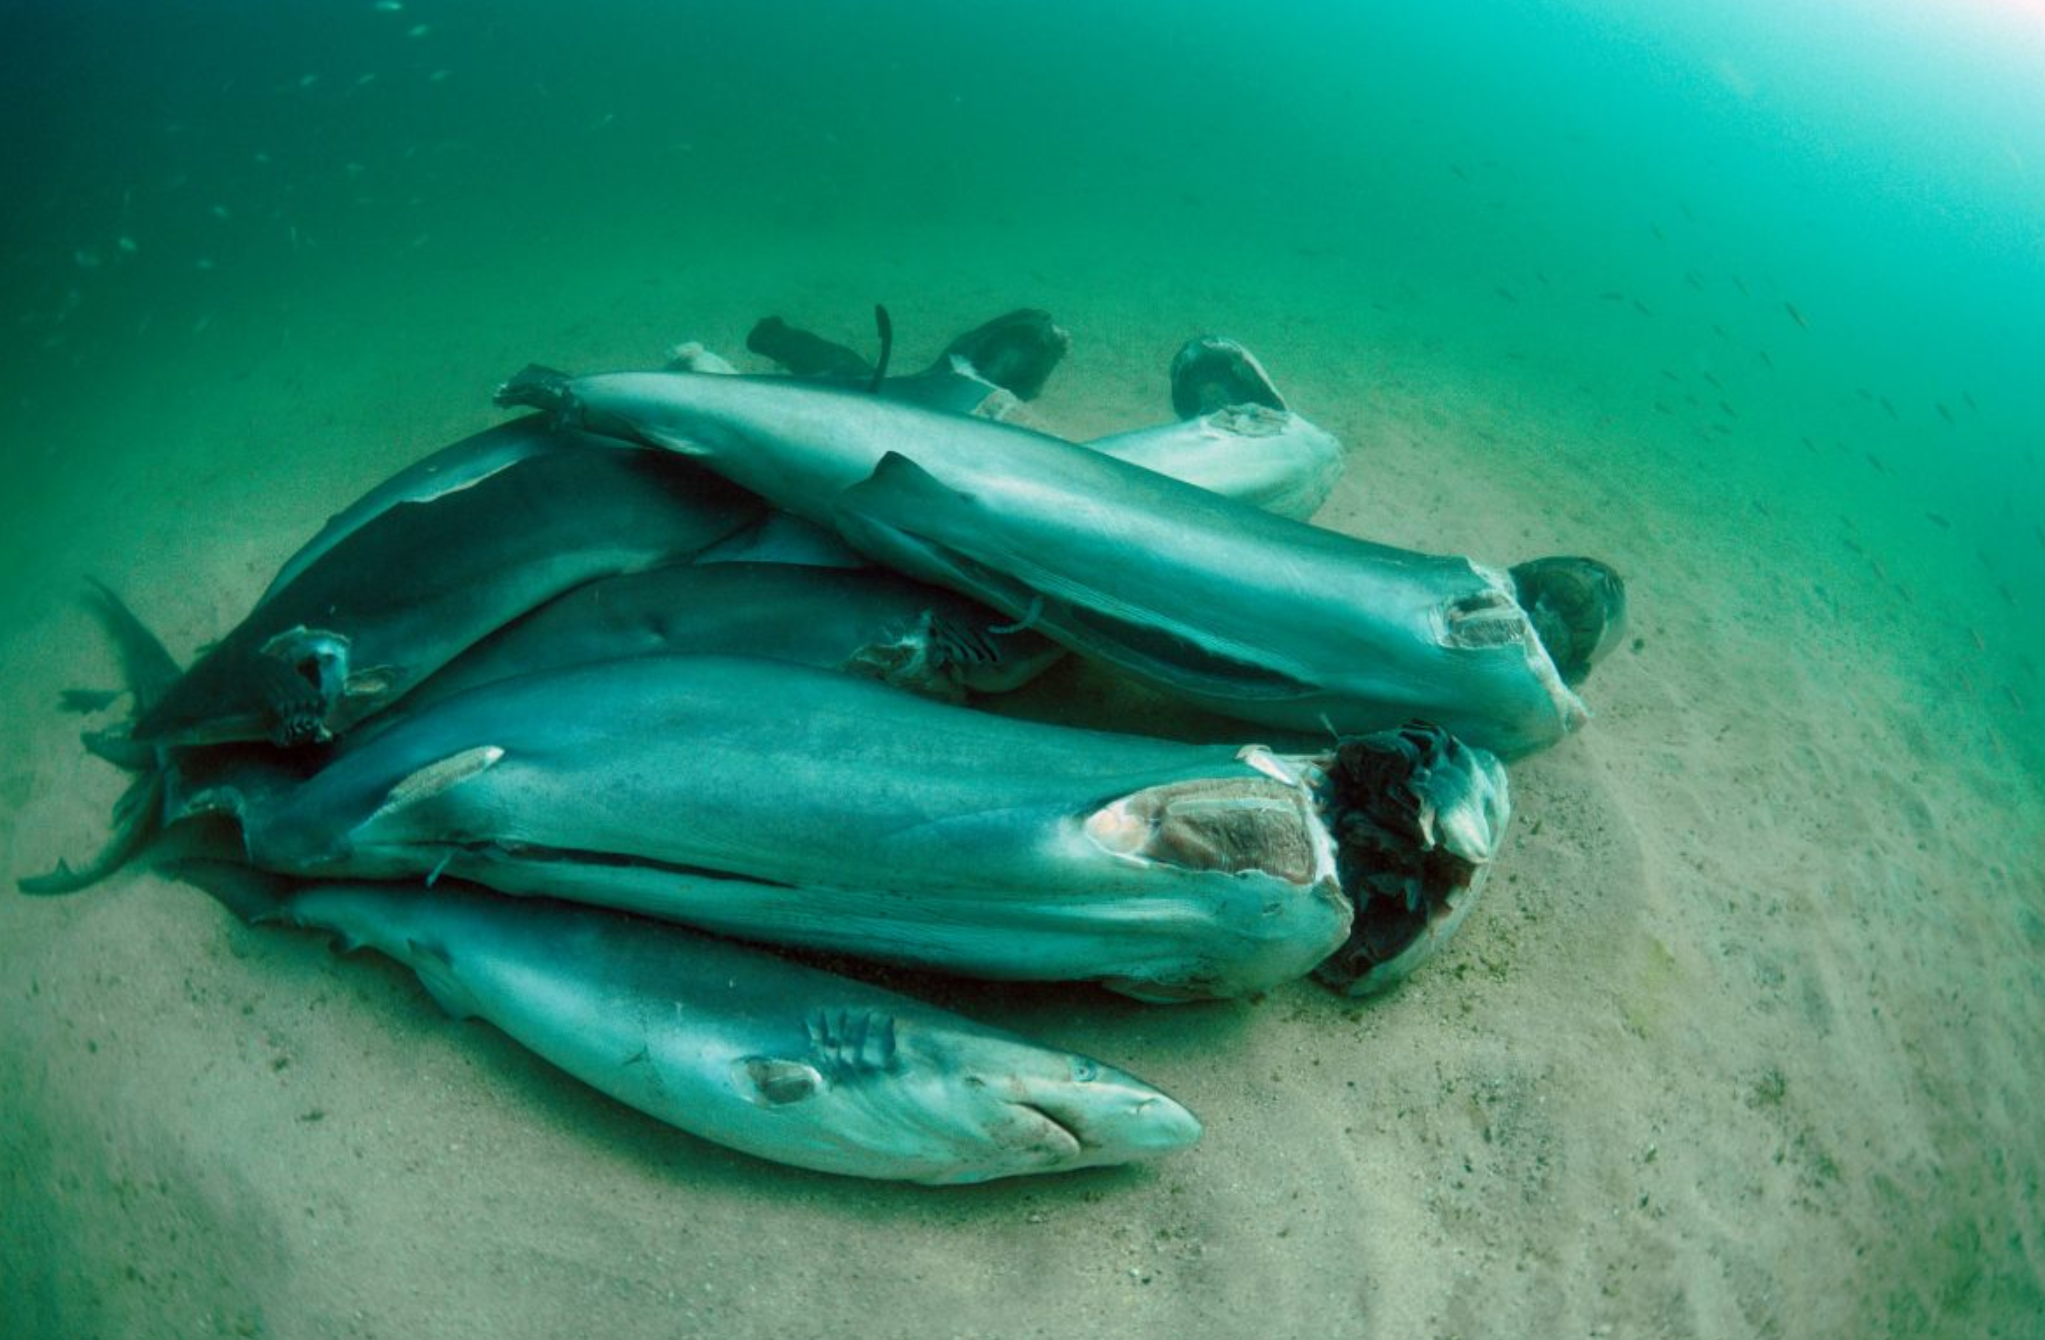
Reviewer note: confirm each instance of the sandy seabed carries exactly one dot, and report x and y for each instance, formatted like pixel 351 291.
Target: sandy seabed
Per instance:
pixel 1744 1040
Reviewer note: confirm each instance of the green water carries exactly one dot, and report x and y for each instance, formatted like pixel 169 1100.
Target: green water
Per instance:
pixel 1792 255
pixel 1747 298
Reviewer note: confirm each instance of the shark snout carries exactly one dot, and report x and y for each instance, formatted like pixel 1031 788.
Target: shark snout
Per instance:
pixel 1108 1116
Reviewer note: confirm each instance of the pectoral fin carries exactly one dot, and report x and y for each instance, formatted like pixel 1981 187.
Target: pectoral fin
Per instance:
pixel 906 517
pixel 435 970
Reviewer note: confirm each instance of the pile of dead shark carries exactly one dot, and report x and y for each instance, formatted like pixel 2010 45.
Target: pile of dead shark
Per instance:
pixel 607 720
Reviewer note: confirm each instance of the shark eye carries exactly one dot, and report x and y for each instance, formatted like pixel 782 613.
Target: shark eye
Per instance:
pixel 1084 1070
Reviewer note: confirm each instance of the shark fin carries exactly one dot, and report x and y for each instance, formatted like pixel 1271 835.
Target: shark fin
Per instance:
pixel 435 969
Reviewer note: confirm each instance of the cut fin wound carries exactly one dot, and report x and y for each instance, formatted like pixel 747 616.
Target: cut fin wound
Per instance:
pixel 437 777
pixel 773 1081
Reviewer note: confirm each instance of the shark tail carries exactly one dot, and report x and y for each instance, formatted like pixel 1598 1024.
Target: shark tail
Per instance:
pixel 139 813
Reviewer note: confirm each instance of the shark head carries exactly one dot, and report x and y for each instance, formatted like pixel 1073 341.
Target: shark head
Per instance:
pixel 941 1101
pixel 284 690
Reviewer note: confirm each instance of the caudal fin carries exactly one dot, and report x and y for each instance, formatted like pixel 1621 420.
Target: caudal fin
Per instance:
pixel 137 819
pixel 138 814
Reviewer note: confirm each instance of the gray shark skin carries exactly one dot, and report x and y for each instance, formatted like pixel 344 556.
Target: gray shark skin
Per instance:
pixel 867 621
pixel 797 806
pixel 449 470
pixel 1229 607
pixel 735 1045
pixel 421 578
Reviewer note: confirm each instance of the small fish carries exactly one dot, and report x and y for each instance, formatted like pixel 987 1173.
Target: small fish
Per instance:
pixel 1875 461
pixel 1764 359
pixel 1728 410
pixel 1935 519
pixel 1642 308
pixel 2002 589
pixel 1980 643
pixel 2014 701
pixel 2039 531
pixel 1740 284
pixel 1968 396
pixel 1715 382
pixel 1506 293
pixel 1853 545
pixel 1943 412
pixel 1889 408
pixel 1659 235
pixel 388 6
pixel 1694 280
pixel 1796 316
pixel 1612 295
